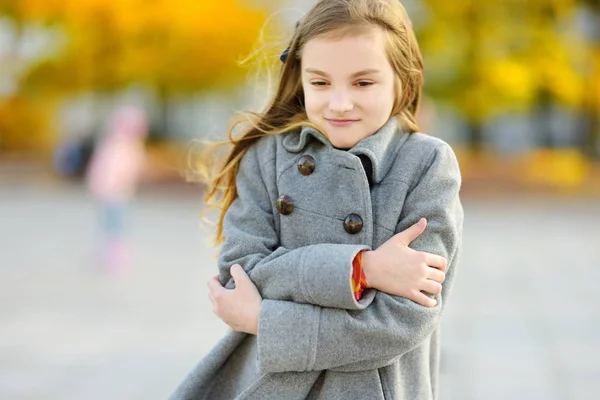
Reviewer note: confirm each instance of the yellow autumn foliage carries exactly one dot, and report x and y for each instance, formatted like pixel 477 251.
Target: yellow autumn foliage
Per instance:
pixel 513 79
pixel 25 124
pixel 503 54
pixel 173 46
pixel 179 45
pixel 562 169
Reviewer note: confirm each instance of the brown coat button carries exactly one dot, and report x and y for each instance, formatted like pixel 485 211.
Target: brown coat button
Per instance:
pixel 306 165
pixel 284 204
pixel 353 224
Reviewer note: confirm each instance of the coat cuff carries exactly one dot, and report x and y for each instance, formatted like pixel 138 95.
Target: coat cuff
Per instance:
pixel 287 336
pixel 326 276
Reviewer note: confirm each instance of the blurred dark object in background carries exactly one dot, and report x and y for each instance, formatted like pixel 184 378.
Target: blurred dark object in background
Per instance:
pixel 72 156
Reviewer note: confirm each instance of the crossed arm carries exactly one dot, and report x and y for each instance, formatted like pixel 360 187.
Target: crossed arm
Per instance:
pixel 307 318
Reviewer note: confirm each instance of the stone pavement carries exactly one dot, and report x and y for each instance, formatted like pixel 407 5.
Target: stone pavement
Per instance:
pixel 522 323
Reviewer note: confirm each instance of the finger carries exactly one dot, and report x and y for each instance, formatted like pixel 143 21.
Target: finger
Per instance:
pixel 214 285
pixel 215 307
pixel 432 287
pixel 412 232
pixel 435 261
pixel 238 274
pixel 436 275
pixel 212 303
pixel 424 300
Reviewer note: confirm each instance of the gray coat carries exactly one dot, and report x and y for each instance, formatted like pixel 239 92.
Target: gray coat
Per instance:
pixel 314 340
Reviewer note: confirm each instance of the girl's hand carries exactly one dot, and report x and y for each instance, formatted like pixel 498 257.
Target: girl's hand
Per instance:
pixel 240 307
pixel 396 269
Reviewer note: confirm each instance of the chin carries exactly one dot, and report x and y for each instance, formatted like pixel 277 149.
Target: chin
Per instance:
pixel 342 145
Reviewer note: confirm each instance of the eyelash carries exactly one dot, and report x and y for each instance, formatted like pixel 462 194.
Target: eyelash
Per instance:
pixel 361 84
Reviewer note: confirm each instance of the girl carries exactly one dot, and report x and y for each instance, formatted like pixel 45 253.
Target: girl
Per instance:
pixel 322 197
pixel 113 177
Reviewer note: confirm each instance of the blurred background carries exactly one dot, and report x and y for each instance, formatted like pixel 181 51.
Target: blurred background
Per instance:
pixel 102 292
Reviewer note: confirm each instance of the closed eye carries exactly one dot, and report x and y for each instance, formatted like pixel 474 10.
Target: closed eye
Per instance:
pixel 359 84
pixel 364 83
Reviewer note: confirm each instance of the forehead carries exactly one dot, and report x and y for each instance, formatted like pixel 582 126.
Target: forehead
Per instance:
pixel 347 52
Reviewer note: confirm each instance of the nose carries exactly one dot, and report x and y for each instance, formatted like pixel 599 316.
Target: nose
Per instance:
pixel 340 102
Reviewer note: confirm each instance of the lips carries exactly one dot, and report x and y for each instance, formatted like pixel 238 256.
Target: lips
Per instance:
pixel 341 122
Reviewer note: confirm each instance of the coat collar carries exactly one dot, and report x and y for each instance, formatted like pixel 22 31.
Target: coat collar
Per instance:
pixel 380 148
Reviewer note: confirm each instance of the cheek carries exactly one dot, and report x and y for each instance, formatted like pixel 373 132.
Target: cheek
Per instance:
pixel 379 101
pixel 313 102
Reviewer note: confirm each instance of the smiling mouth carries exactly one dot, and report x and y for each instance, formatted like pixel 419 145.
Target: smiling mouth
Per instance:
pixel 341 122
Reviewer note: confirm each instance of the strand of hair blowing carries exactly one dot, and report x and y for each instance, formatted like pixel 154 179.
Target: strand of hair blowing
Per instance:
pixel 285 112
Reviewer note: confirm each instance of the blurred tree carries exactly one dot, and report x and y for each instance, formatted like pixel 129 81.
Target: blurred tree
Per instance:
pixel 184 45
pixel 498 56
pixel 24 118
pixel 176 47
pixel 592 92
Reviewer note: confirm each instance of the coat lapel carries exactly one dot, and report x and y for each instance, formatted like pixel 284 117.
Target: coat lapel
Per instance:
pixel 380 148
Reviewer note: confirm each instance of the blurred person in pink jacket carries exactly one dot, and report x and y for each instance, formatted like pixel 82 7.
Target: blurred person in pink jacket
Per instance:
pixel 113 176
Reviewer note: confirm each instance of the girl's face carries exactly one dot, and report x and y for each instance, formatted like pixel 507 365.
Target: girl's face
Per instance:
pixel 348 85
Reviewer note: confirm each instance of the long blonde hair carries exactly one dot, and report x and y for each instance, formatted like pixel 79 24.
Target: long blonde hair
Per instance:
pixel 285 112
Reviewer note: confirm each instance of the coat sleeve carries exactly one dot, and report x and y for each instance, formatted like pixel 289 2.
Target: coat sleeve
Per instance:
pixel 318 274
pixel 304 337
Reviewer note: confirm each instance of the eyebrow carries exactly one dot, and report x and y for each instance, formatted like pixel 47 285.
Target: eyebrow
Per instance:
pixel 354 75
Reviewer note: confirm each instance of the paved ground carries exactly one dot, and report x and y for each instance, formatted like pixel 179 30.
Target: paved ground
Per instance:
pixel 523 322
